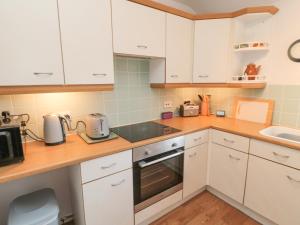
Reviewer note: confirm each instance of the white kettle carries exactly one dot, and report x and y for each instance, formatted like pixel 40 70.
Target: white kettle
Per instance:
pixel 54 131
pixel 97 126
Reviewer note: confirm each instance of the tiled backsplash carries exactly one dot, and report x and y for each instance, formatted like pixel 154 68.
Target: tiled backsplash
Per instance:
pixel 134 101
pixel 131 101
pixel 286 97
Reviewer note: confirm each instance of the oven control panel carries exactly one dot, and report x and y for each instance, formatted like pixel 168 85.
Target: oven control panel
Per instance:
pixel 150 150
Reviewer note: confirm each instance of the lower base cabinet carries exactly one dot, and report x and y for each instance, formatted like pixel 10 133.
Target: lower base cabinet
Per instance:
pixel 273 190
pixel 195 169
pixel 227 173
pixel 109 201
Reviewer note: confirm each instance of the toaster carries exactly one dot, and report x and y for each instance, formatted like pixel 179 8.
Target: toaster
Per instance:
pixel 97 126
pixel 187 110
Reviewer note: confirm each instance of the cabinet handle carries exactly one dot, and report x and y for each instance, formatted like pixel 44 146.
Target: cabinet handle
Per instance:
pixel 119 183
pixel 174 76
pixel 197 139
pixel 292 179
pixel 233 157
pixel 281 156
pixel 229 141
pixel 193 155
pixel 42 74
pixel 142 46
pixel 107 167
pixel 203 76
pixel 99 74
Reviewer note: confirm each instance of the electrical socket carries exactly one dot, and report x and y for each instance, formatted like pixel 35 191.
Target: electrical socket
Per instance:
pixel 168 104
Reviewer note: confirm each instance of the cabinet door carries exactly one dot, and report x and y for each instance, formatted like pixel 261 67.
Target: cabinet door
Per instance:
pixel 211 50
pixel 179 51
pixel 87 41
pixel 195 169
pixel 109 201
pixel 273 190
pixel 228 171
pixel 30 43
pixel 137 29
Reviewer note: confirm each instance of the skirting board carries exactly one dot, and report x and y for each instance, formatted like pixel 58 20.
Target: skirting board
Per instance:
pixel 240 207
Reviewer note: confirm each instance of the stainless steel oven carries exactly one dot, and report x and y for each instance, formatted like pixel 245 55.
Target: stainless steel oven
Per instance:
pixel 158 171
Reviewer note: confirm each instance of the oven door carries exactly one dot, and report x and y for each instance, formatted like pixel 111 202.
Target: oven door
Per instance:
pixel 157 177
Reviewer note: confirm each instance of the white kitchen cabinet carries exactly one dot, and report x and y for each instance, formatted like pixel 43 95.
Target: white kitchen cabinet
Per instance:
pixel 179 49
pixel 138 30
pixel 196 138
pixel 273 190
pixel 30 43
pixel 195 169
pixel 230 140
pixel 109 201
pixel 104 166
pixel 86 33
pixel 227 172
pixel 276 153
pixel 212 45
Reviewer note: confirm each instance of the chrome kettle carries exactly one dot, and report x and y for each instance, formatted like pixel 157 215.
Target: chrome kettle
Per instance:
pixel 54 131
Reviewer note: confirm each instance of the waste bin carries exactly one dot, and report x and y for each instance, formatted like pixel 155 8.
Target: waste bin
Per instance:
pixel 37 208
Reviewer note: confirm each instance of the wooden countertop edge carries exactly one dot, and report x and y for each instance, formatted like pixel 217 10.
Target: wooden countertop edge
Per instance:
pixel 127 145
pixel 36 171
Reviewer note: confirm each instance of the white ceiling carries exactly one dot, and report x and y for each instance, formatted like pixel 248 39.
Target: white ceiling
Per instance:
pixel 211 6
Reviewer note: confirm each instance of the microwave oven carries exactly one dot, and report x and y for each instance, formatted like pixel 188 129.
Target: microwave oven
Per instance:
pixel 11 147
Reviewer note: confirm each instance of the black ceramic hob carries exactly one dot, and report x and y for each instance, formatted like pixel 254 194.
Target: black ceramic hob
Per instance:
pixel 142 131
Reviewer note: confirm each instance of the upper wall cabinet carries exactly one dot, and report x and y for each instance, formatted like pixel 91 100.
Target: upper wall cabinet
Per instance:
pixel 30 44
pixel 179 51
pixel 212 50
pixel 137 29
pixel 86 34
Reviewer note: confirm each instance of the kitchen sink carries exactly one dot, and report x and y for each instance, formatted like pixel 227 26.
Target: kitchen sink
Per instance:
pixel 282 133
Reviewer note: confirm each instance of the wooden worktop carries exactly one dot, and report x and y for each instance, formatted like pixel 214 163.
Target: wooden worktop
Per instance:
pixel 40 158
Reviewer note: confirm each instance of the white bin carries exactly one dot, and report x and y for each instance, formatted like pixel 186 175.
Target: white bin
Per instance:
pixel 37 208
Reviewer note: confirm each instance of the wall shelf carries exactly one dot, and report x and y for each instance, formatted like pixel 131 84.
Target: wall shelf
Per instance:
pixel 245 85
pixel 7 90
pixel 252 49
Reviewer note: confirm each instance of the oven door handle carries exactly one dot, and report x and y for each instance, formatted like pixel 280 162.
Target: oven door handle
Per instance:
pixel 144 164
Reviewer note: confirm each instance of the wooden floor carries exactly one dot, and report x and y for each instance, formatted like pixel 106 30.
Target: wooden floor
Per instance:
pixel 205 209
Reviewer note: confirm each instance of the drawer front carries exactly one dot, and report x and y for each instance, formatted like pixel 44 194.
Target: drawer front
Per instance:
pixel 231 140
pixel 276 153
pixel 97 168
pixel 197 138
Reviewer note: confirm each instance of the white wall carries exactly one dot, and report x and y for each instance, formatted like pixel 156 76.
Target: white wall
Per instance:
pixel 280 31
pixel 285 29
pixel 57 180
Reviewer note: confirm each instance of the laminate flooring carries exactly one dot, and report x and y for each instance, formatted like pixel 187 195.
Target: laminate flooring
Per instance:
pixel 205 209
